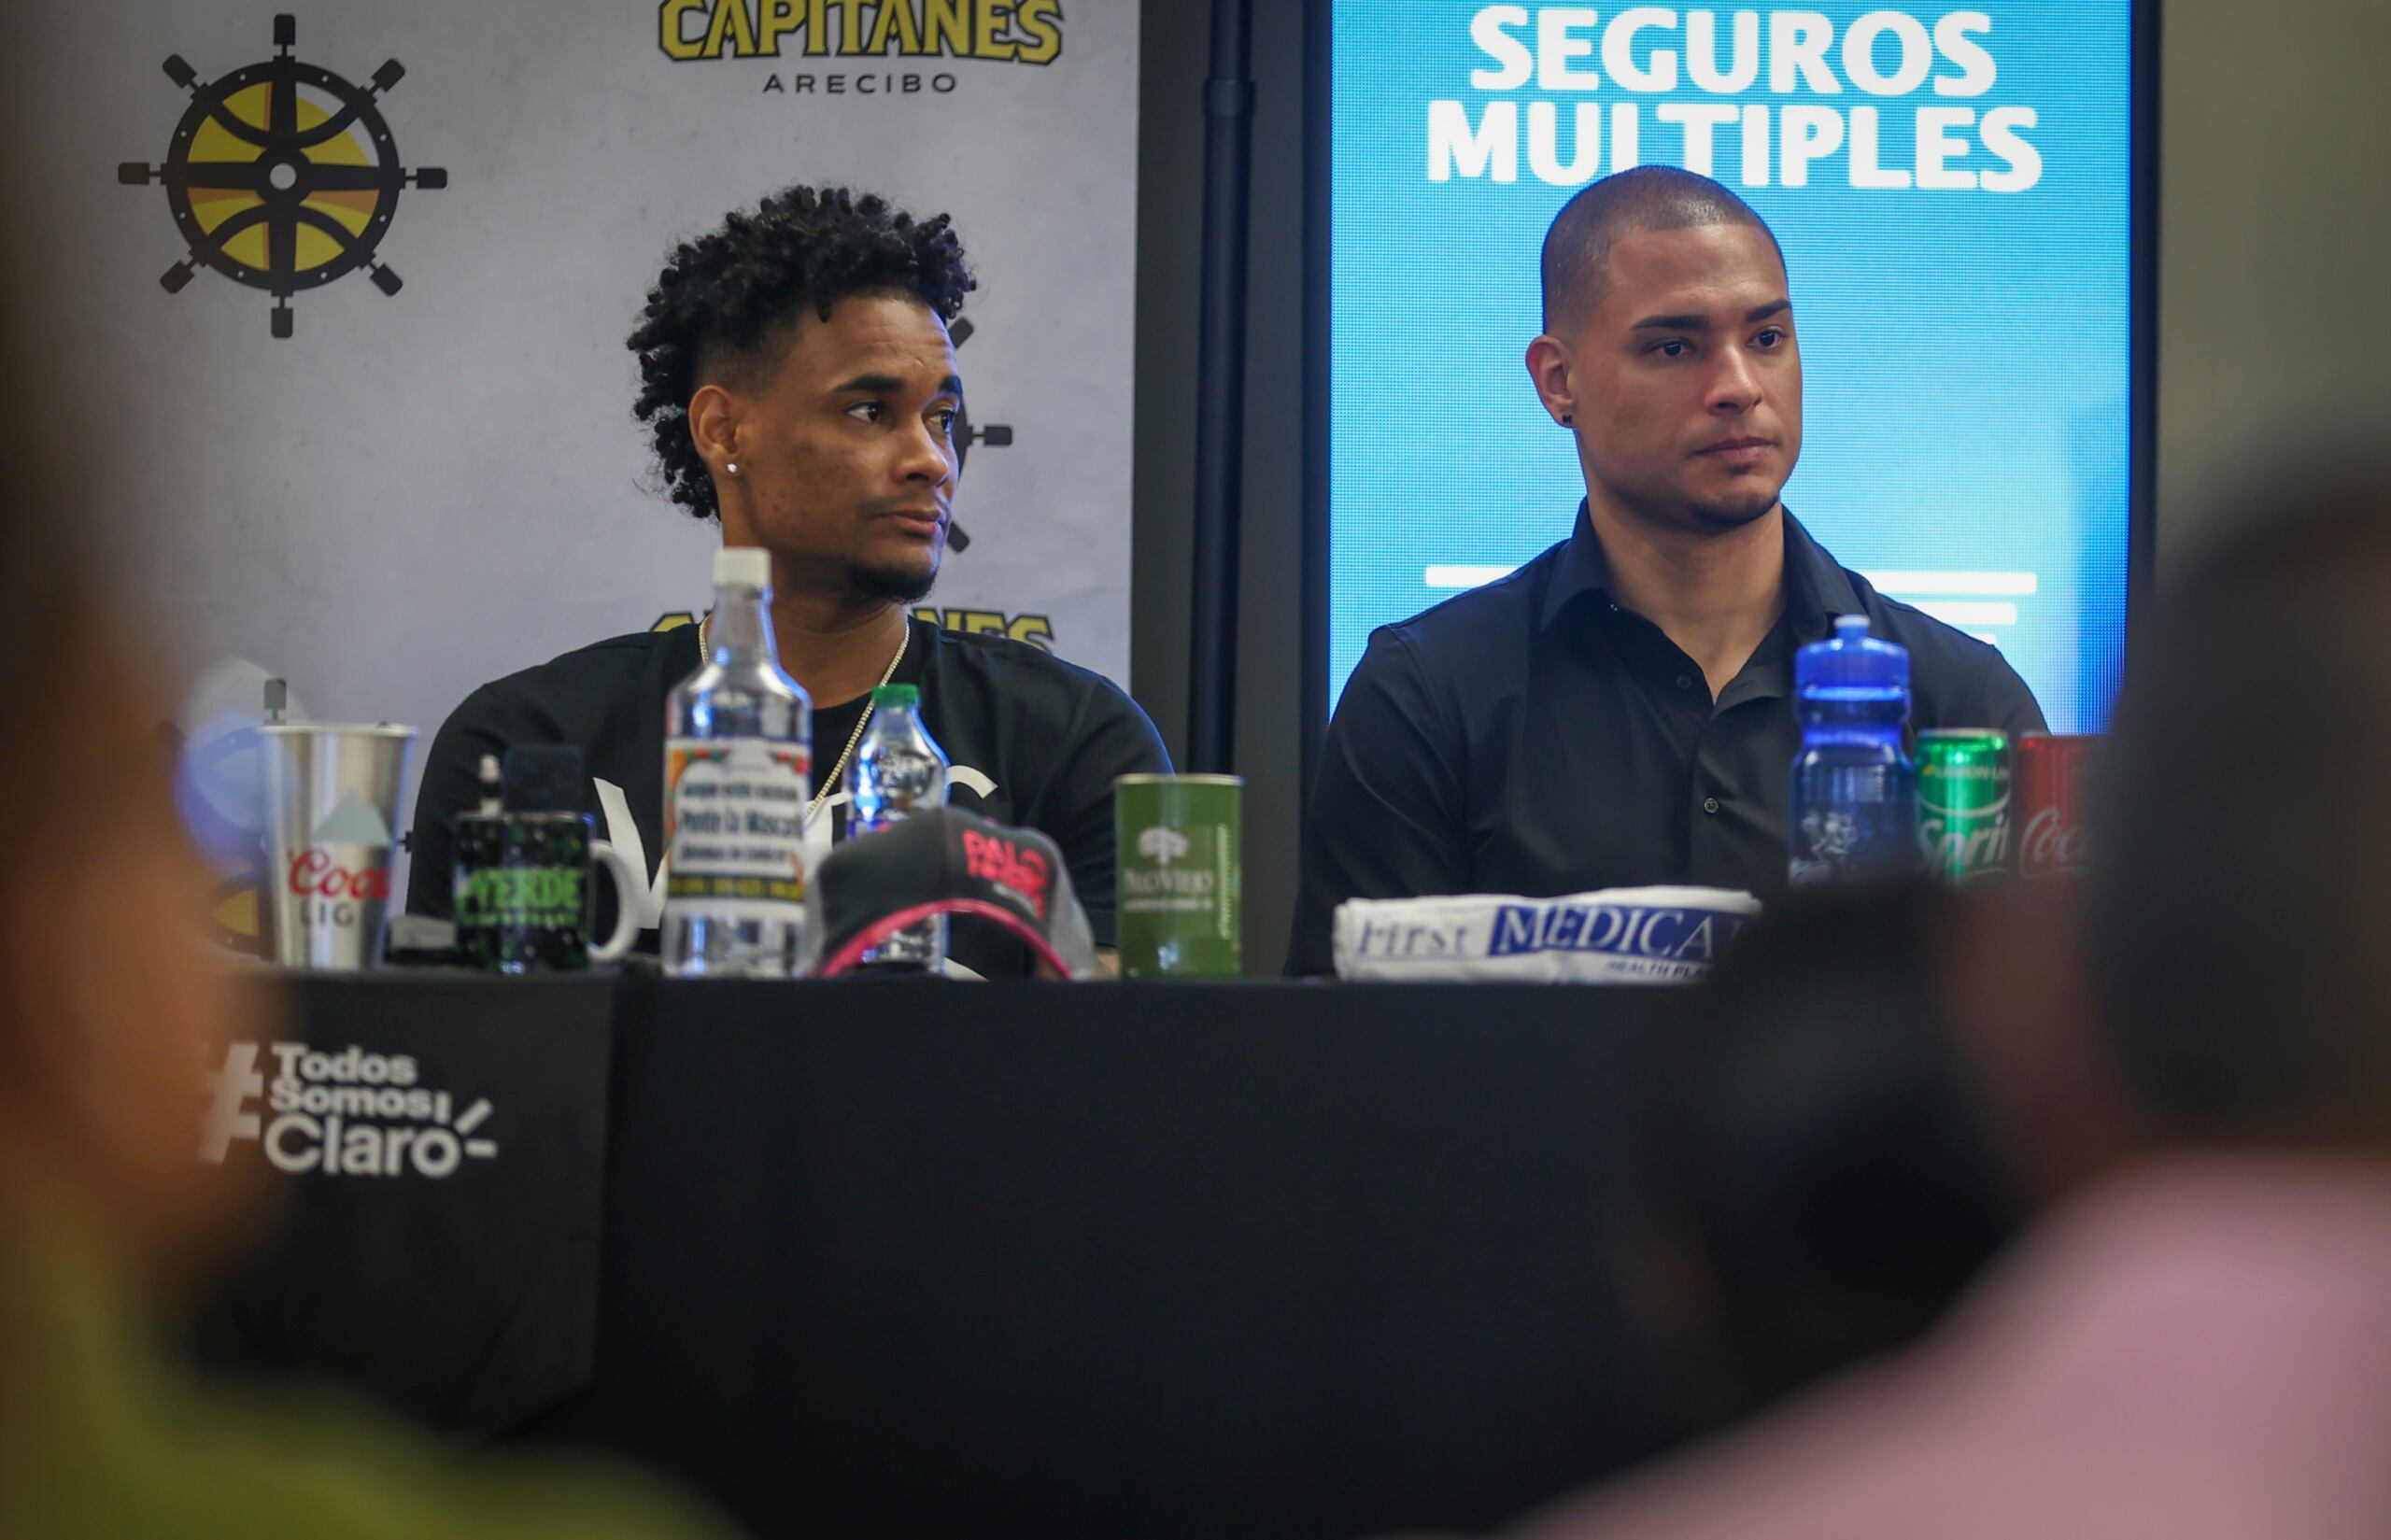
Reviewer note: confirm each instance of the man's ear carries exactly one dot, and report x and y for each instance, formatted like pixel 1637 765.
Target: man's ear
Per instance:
pixel 1549 367
pixel 714 423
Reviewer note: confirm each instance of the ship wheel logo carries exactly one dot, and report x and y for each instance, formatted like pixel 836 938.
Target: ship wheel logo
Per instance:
pixel 282 175
pixel 996 435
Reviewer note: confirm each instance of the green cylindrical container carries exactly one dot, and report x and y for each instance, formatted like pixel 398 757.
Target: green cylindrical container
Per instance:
pixel 1181 869
pixel 1963 802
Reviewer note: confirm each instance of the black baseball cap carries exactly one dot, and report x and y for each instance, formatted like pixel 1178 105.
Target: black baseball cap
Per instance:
pixel 945 861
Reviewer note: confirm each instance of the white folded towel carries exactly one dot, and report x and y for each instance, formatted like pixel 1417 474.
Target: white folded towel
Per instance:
pixel 1620 935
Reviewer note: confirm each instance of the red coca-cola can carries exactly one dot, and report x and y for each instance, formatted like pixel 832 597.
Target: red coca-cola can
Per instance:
pixel 2052 780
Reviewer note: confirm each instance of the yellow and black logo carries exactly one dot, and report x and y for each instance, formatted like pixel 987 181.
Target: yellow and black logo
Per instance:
pixel 996 435
pixel 1019 31
pixel 282 175
pixel 1036 630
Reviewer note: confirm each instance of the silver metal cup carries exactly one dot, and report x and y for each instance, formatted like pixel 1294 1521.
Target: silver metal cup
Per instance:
pixel 331 798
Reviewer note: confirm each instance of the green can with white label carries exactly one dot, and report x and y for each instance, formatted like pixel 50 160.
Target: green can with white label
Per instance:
pixel 1178 899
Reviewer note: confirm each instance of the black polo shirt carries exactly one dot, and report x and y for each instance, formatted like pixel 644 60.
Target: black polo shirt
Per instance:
pixel 1535 737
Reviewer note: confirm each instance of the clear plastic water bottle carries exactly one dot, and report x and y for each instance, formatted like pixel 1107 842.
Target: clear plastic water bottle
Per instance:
pixel 1853 811
pixel 897 768
pixel 738 772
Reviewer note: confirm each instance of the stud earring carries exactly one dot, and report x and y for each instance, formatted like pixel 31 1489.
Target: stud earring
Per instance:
pixel 732 466
pixel 1569 419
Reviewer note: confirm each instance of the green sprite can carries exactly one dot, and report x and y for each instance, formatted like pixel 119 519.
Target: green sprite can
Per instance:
pixel 1180 840
pixel 1963 802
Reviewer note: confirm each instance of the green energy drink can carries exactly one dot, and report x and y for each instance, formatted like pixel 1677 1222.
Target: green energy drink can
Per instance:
pixel 1963 802
pixel 1180 840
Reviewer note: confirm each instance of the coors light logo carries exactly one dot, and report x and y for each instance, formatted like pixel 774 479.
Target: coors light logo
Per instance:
pixel 329 888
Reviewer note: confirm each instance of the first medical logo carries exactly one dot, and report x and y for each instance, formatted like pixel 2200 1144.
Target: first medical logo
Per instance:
pixel 346 1114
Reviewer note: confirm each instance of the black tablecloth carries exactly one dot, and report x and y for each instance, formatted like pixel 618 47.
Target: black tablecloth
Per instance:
pixel 922 1258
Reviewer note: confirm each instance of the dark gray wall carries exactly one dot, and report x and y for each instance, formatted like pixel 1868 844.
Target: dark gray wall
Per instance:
pixel 2273 222
pixel 1170 170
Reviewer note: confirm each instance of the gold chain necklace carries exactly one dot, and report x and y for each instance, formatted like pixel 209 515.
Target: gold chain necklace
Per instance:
pixel 705 652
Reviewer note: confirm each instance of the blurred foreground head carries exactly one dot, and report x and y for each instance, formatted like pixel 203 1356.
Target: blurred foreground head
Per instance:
pixel 110 1001
pixel 2241 912
pixel 1882 1085
pixel 1827 1157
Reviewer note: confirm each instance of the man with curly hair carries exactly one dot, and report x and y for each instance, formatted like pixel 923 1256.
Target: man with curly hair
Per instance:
pixel 801 386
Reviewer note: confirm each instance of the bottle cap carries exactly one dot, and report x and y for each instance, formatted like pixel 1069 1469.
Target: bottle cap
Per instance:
pixel 1853 660
pixel 743 567
pixel 896 695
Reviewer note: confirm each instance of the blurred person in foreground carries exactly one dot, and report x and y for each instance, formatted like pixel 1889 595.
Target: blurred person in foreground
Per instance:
pixel 1821 1173
pixel 2199 1343
pixel 110 1006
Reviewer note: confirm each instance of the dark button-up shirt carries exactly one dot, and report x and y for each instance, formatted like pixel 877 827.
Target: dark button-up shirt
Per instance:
pixel 1536 737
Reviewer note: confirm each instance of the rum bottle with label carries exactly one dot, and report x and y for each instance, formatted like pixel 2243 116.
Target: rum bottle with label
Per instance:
pixel 738 774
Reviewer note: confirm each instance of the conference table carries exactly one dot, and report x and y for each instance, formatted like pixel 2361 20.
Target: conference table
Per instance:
pixel 919 1257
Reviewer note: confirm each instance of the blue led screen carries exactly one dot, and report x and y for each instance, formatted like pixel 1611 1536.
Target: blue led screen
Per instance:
pixel 1953 192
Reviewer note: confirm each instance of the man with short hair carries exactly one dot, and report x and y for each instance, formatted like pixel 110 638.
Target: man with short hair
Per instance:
pixel 1617 711
pixel 800 386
